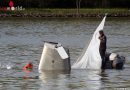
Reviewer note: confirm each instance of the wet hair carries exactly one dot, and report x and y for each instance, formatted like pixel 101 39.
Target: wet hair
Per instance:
pixel 101 32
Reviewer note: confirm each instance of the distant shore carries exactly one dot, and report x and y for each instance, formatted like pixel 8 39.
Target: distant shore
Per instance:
pixel 47 13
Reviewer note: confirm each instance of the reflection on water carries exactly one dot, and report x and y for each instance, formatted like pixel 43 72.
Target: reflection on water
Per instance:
pixel 21 41
pixel 77 79
pixel 46 76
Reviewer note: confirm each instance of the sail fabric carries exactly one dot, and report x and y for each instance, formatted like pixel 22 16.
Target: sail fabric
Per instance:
pixel 91 58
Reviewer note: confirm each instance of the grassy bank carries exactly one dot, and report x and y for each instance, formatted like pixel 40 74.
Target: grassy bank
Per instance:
pixel 35 12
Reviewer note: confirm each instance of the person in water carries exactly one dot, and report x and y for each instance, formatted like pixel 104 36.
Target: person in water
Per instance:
pixel 28 67
pixel 102 48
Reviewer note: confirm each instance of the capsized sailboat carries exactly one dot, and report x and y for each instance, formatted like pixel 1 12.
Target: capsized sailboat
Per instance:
pixel 90 58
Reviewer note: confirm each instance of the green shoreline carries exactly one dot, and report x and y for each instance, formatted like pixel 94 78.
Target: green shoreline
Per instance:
pixel 36 12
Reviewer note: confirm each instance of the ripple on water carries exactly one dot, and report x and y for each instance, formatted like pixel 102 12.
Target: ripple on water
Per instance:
pixel 21 41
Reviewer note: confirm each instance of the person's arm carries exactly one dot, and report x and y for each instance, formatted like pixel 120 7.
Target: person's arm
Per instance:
pixel 101 37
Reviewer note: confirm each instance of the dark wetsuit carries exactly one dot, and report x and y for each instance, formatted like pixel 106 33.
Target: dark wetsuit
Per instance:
pixel 102 49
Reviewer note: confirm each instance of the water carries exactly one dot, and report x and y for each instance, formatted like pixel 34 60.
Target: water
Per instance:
pixel 22 39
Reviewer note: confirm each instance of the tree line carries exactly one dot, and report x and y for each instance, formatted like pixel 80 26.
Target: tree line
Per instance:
pixel 68 3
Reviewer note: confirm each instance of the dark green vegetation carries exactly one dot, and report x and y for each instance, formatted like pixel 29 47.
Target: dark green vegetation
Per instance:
pixel 69 3
pixel 67 8
pixel 36 12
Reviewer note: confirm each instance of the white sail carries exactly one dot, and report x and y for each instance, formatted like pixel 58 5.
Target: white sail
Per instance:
pixel 91 58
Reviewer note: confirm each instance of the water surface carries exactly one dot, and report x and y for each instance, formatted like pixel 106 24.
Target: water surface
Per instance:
pixel 22 40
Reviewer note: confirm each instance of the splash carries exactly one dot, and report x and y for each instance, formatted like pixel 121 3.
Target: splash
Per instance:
pixel 4 65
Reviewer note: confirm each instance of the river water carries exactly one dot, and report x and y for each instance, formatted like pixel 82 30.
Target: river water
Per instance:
pixel 22 40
